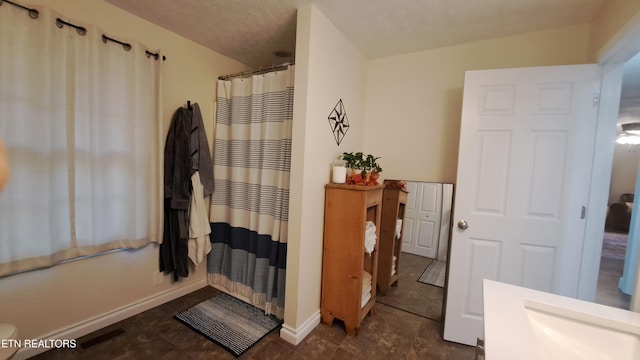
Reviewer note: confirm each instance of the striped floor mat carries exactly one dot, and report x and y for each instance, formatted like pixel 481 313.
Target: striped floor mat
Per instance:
pixel 233 324
pixel 434 274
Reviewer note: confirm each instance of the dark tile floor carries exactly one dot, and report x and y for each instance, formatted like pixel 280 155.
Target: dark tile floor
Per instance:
pixel 410 295
pixel 611 269
pixel 387 333
pixel 405 324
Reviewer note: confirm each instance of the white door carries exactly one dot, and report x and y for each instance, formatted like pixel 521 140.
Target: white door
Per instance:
pixel 422 219
pixel 526 146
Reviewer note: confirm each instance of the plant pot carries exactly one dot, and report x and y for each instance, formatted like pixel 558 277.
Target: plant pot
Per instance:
pixel 339 174
pixel 339 171
pixel 369 178
pixel 373 178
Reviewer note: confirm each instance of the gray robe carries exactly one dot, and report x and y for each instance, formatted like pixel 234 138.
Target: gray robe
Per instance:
pixel 186 151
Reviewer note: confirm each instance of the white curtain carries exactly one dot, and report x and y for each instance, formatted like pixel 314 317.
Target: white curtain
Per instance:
pixel 80 119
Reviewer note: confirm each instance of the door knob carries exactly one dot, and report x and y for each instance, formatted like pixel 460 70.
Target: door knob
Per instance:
pixel 463 225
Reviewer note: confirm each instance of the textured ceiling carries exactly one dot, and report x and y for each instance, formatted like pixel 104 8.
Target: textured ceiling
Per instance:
pixel 251 31
pixel 383 28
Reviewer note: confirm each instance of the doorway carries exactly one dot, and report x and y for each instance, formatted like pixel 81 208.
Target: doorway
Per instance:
pixel 612 59
pixel 626 157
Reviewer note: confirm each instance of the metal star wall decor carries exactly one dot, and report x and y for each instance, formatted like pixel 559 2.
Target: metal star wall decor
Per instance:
pixel 338 122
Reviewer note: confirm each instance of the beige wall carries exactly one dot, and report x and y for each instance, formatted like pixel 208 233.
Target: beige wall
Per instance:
pixel 609 23
pixel 412 108
pixel 414 101
pixel 51 301
pixel 412 111
pixel 328 68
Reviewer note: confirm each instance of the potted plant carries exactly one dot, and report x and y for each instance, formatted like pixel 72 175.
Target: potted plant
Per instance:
pixel 351 160
pixel 365 170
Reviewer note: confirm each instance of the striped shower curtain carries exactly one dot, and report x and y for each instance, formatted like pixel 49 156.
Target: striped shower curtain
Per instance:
pixel 250 202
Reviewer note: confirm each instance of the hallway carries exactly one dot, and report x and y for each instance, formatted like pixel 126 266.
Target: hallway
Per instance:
pixel 611 266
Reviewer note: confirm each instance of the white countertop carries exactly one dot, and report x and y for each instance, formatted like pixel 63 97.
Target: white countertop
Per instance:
pixel 509 333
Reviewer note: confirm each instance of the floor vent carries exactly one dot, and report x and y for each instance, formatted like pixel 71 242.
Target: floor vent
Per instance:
pixel 101 338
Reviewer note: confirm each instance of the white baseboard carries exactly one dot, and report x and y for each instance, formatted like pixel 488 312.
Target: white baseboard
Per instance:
pixel 90 325
pixel 295 336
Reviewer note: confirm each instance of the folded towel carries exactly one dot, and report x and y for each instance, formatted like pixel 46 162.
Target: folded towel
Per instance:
pixel 370 237
pixel 367 282
pixel 393 265
pixel 398 228
pixel 366 277
pixel 366 288
pixel 365 299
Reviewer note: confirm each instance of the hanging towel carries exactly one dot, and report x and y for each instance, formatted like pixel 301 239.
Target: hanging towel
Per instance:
pixel 370 237
pixel 398 228
pixel 199 228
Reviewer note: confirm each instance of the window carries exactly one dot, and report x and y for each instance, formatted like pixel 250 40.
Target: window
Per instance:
pixel 80 120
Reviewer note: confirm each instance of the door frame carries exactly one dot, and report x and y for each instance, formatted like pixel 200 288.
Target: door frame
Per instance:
pixel 612 57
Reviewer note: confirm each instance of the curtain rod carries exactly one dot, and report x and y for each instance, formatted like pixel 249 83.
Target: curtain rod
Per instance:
pixel 82 31
pixel 33 13
pixel 260 70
